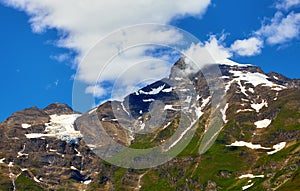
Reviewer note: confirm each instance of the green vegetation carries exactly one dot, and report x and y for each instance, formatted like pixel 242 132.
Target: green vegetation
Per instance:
pixel 23 184
pixel 292 184
pixel 144 141
pixel 5 182
pixel 287 120
pixel 118 175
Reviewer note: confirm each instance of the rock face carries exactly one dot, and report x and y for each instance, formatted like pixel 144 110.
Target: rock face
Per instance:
pixel 58 109
pixel 54 148
pixel 46 161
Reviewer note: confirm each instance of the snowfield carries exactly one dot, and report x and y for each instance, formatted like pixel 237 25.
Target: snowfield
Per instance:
pixel 61 127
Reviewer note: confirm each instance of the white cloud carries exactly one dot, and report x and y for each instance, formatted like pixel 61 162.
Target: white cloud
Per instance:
pixel 129 47
pixel 81 24
pixel 84 23
pixel 96 91
pixel 56 82
pixel 196 55
pixel 247 47
pixel 281 29
pixel 217 50
pixel 211 51
pixel 287 4
pixel 61 57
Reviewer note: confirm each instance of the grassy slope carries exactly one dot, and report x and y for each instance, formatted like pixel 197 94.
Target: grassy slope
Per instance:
pixel 233 160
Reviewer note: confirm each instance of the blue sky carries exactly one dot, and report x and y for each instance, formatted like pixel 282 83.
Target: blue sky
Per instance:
pixel 29 76
pixel 39 54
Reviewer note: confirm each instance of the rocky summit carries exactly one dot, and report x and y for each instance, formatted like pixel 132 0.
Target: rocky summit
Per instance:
pixel 234 128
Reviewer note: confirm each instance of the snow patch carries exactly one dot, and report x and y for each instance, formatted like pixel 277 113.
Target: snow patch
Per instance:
pixel 225 77
pixel 251 176
pixel 188 99
pixel 2 160
pixel 262 123
pixel 277 88
pixel 227 86
pixel 73 168
pixel 167 90
pixel 91 146
pixel 78 153
pixel 251 78
pixel 20 153
pixel 86 182
pixel 259 106
pixel 232 63
pixel 183 89
pixel 167 125
pixel 223 111
pixel 251 90
pixel 276 96
pixel 246 144
pixel 131 137
pixel 170 107
pixel 60 154
pixel 36 180
pixel 255 79
pixel 247 186
pixel 25 125
pixel 38 135
pixel 199 112
pixel 178 79
pixel 243 88
pixel 277 147
pixel 124 109
pixel 143 126
pixel 244 110
pixel 148 100
pixel 153 91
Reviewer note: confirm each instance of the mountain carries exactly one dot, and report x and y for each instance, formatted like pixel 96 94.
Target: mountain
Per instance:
pixel 225 127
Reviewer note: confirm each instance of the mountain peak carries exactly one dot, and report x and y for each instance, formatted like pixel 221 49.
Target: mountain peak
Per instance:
pixel 58 108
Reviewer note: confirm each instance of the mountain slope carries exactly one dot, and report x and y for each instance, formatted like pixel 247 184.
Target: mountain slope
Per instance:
pixel 246 136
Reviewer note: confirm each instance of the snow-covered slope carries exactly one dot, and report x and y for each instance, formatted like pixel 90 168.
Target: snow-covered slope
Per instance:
pixel 61 127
